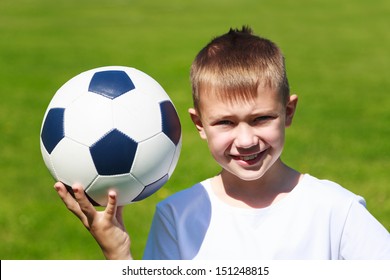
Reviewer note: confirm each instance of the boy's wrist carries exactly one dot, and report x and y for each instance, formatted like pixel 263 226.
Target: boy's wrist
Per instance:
pixel 126 255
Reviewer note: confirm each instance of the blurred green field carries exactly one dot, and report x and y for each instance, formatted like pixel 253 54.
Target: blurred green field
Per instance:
pixel 338 63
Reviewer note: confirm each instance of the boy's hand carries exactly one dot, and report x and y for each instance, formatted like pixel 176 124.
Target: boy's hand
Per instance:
pixel 105 226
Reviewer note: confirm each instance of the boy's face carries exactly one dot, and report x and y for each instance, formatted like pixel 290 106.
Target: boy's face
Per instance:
pixel 246 137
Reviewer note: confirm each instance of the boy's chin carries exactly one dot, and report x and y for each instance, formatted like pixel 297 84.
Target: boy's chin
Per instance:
pixel 250 178
pixel 247 175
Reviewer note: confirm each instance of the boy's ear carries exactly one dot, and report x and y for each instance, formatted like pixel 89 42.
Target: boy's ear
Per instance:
pixel 290 109
pixel 197 122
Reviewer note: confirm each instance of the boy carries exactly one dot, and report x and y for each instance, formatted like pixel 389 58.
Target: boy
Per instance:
pixel 256 207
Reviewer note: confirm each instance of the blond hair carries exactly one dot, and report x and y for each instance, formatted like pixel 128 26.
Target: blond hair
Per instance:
pixel 235 64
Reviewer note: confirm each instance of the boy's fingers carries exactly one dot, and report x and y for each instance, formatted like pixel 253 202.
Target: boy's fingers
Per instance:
pixel 66 197
pixel 111 204
pixel 70 202
pixel 84 204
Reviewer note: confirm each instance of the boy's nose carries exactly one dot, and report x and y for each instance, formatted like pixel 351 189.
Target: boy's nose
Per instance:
pixel 245 137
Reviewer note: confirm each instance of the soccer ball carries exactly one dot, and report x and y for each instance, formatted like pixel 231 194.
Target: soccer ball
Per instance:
pixel 108 128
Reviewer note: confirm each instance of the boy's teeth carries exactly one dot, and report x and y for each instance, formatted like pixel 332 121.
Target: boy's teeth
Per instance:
pixel 249 157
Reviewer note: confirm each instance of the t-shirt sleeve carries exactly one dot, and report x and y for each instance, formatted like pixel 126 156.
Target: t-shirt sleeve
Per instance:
pixel 162 239
pixel 179 225
pixel 363 236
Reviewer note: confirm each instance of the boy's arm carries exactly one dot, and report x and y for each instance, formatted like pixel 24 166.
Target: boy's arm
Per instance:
pixel 105 226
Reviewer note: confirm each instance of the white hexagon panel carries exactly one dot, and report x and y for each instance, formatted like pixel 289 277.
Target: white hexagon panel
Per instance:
pixel 83 115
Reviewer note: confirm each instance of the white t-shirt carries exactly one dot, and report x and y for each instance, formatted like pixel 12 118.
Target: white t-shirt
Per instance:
pixel 318 219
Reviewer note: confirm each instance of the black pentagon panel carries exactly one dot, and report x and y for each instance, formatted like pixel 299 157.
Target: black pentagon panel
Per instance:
pixel 53 128
pixel 170 121
pixel 114 153
pixel 111 83
pixel 151 189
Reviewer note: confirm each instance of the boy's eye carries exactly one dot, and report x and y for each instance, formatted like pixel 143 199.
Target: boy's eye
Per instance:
pixel 224 122
pixel 263 119
pixel 253 121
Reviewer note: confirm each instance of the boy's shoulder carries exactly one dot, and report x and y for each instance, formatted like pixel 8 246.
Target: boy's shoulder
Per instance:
pixel 184 200
pixel 324 185
pixel 326 191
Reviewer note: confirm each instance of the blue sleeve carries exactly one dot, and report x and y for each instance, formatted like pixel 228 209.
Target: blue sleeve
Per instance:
pixel 162 241
pixel 179 225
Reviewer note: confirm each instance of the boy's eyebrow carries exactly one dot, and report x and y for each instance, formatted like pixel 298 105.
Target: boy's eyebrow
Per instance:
pixel 262 112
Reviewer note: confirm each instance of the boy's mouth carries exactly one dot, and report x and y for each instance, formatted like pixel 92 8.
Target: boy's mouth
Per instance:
pixel 250 157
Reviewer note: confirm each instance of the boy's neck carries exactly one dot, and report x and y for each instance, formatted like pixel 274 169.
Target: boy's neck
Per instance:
pixel 260 193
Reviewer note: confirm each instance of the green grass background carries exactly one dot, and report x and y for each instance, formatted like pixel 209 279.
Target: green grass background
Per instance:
pixel 337 59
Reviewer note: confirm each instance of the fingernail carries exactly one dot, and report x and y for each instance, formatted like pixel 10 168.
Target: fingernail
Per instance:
pixel 112 193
